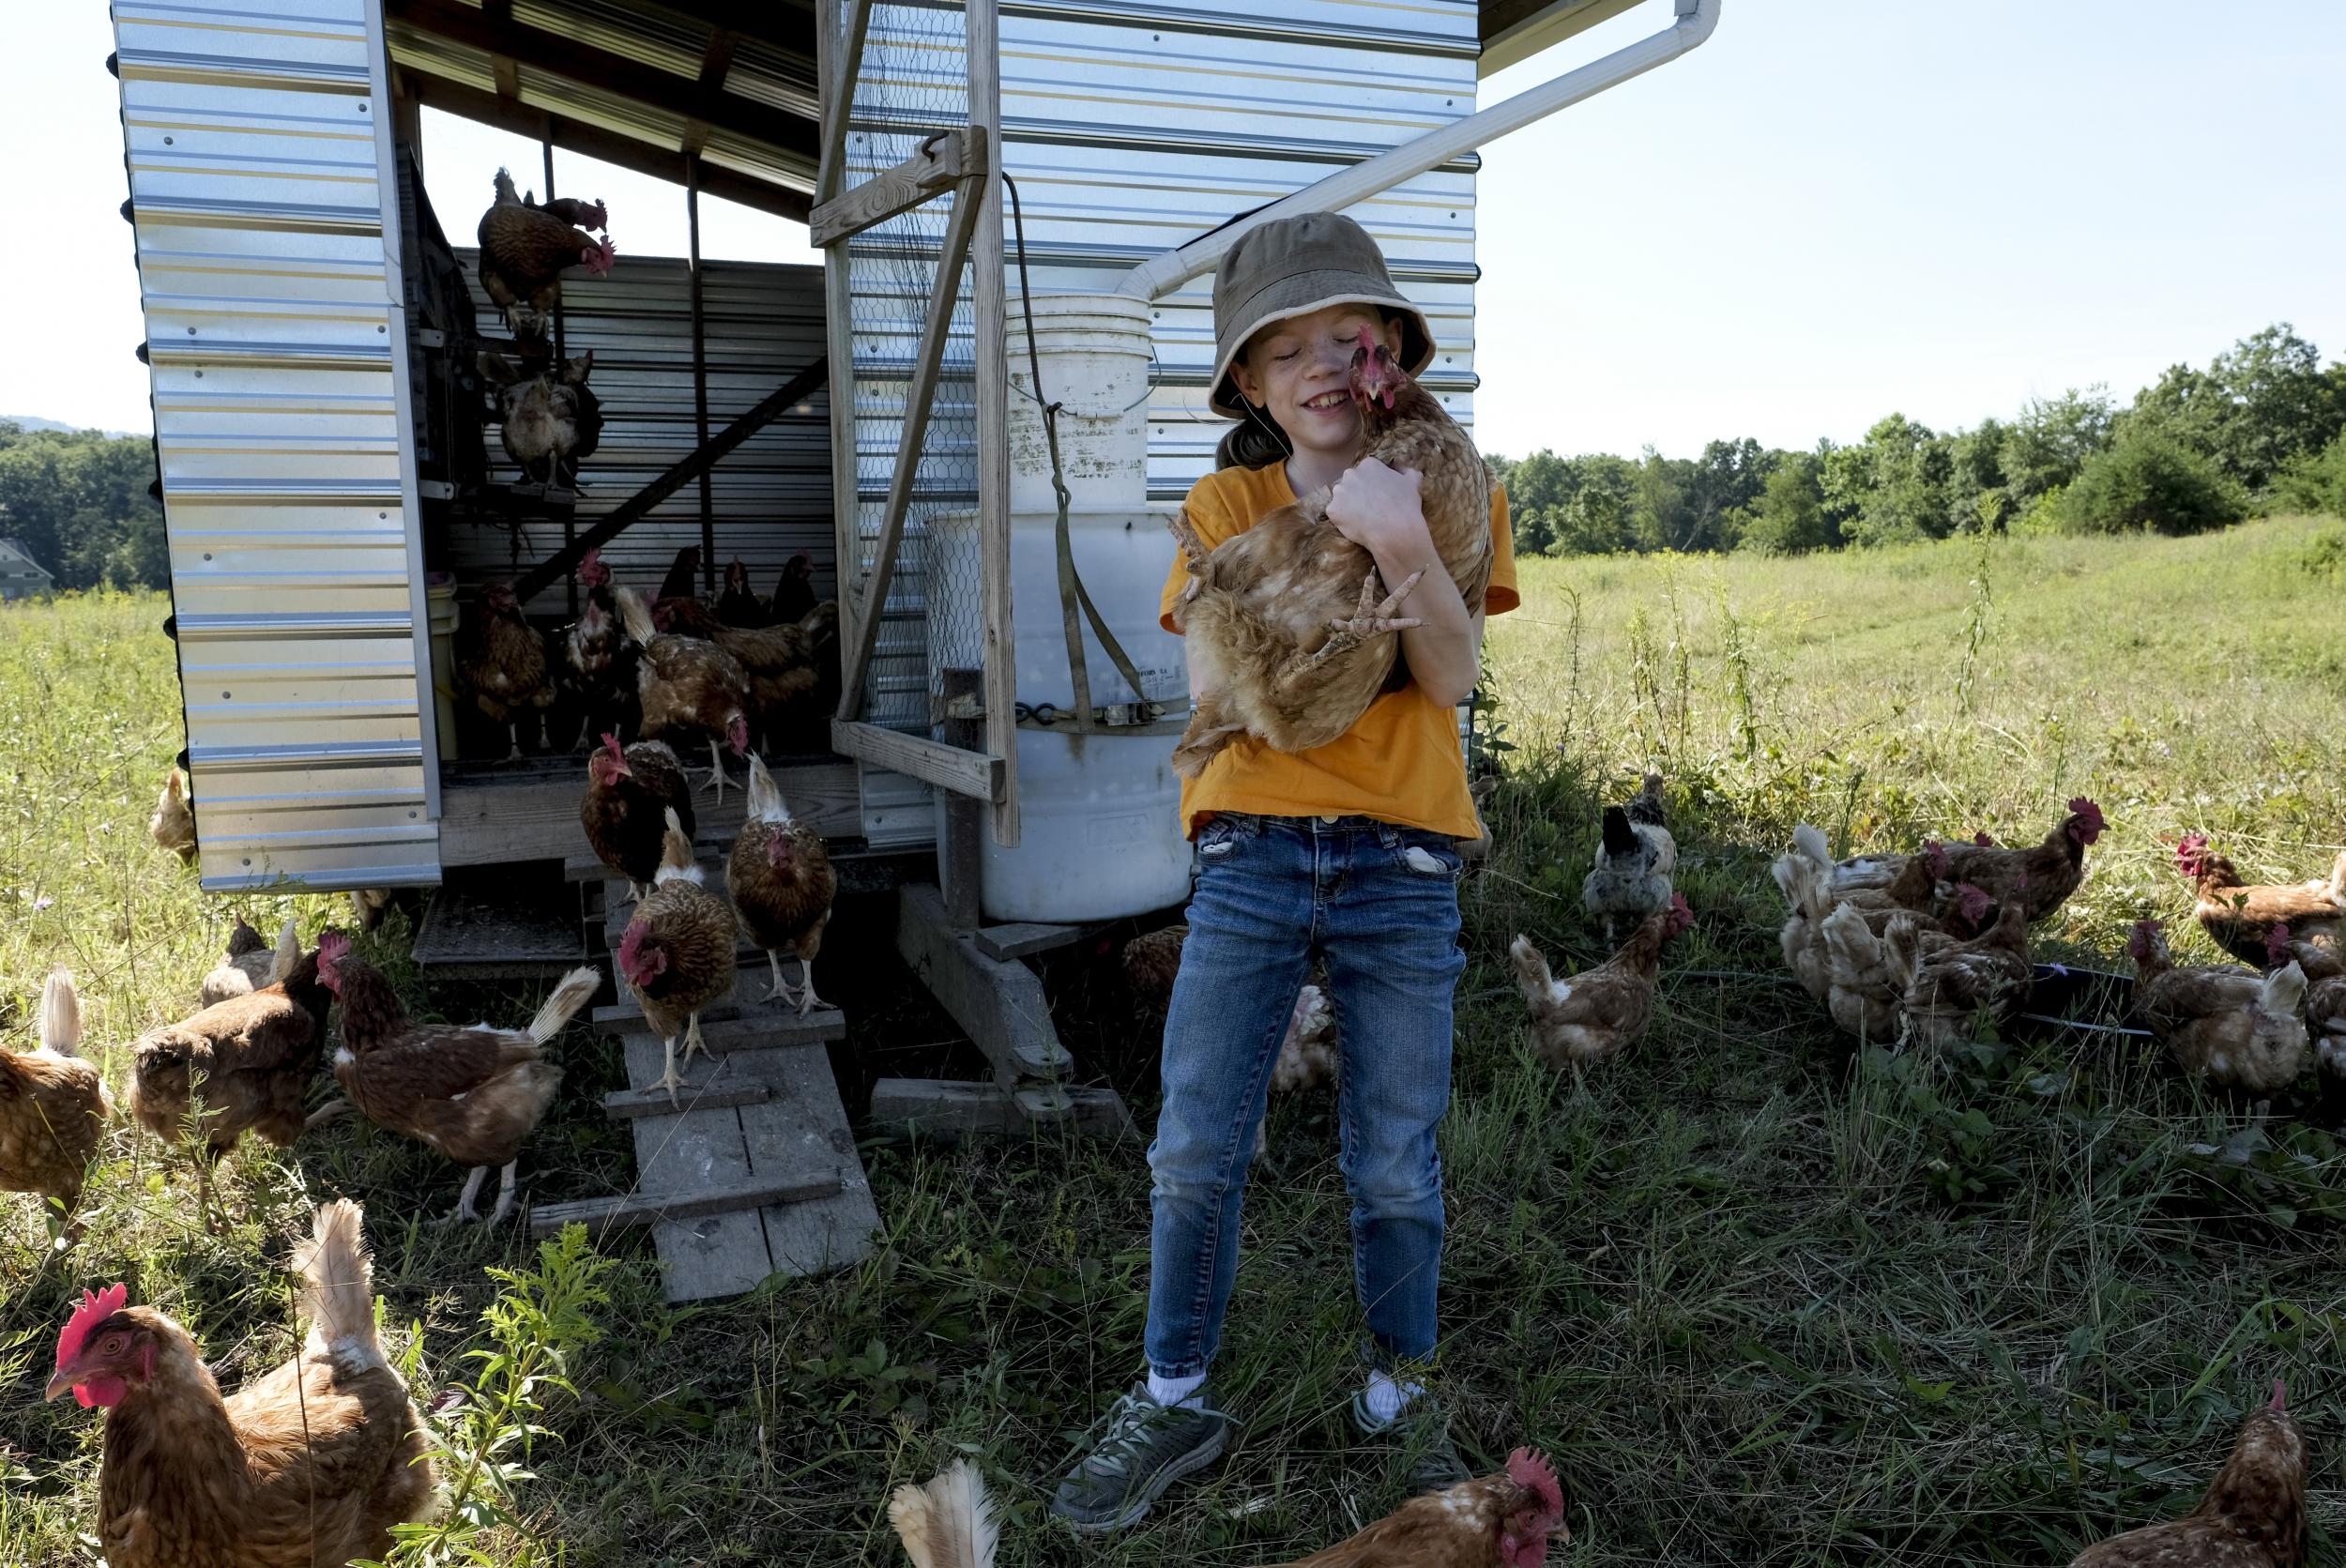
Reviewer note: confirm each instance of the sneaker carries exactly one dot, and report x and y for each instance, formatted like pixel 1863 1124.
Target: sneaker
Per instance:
pixel 1420 1437
pixel 1146 1448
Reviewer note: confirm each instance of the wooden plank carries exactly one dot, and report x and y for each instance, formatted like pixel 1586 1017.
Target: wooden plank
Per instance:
pixel 642 1207
pixel 928 363
pixel 1000 1005
pixel 625 1105
pixel 802 1131
pixel 960 853
pixel 947 767
pixel 1020 939
pixel 839 344
pixel 713 1254
pixel 840 51
pixel 990 300
pixel 685 469
pixel 949 1112
pixel 737 1024
pixel 496 818
pixel 937 162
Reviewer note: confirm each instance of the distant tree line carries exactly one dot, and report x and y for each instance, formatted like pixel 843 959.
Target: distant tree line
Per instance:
pixel 77 500
pixel 2263 426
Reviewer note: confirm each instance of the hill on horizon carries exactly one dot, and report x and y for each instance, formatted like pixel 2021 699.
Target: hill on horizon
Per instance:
pixel 33 421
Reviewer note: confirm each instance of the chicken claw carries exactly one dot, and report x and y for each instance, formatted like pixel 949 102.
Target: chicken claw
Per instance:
pixel 781 990
pixel 1372 618
pixel 716 773
pixel 671 1079
pixel 466 1213
pixel 807 998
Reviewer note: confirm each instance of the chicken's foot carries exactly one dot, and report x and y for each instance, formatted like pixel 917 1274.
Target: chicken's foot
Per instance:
pixel 513 729
pixel 716 773
pixel 807 998
pixel 781 990
pixel 671 1079
pixel 692 1041
pixel 333 1110
pixel 504 1194
pixel 465 1212
pixel 1371 618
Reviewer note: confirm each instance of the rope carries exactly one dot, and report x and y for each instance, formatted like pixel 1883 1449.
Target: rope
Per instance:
pixel 1072 593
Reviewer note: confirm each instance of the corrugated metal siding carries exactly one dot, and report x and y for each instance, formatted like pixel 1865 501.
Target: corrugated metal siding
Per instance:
pixel 268 283
pixel 762 324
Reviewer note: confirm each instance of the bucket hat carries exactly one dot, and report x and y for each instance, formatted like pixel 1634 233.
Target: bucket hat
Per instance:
pixel 1291 267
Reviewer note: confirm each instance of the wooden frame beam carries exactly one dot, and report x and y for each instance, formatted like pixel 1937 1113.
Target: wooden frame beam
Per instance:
pixel 990 287
pixel 591 141
pixel 599 68
pixel 940 161
pixel 845 59
pixel 972 774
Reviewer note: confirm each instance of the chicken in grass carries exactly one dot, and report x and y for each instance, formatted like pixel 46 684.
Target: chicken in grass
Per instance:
pixel 793 592
pixel 2252 1516
pixel 2238 916
pixel 309 1465
pixel 629 794
pixel 524 249
pixel 2230 1025
pixel 1959 980
pixel 2040 877
pixel 251 963
pixel 239 1066
pixel 1635 859
pixel 736 604
pixel 2324 964
pixel 599 667
pixel 1288 637
pixel 1600 1013
pixel 549 420
pixel 675 956
pixel 782 884
pixel 948 1523
pixel 1868 970
pixel 782 662
pixel 691 690
pixel 173 826
pixel 1805 874
pixel 1504 1520
pixel 54 1105
pixel 501 662
pixel 472 1094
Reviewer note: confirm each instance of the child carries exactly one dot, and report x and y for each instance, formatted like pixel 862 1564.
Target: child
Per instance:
pixel 1346 852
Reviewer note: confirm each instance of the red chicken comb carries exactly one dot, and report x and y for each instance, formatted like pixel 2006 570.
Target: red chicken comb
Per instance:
pixel 2279 1393
pixel 1529 1469
pixel 95 1309
pixel 1984 839
pixel 1935 858
pixel 611 744
pixel 333 947
pixel 2091 821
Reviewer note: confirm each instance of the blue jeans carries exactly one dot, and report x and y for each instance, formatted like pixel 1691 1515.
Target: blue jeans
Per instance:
pixel 1380 904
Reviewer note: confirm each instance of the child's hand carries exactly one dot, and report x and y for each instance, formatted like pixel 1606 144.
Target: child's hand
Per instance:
pixel 1378 507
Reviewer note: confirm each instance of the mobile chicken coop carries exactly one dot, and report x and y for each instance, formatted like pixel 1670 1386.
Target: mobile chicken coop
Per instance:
pixel 1019 202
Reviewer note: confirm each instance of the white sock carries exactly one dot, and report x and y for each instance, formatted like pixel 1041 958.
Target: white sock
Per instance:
pixel 1174 1392
pixel 1386 1397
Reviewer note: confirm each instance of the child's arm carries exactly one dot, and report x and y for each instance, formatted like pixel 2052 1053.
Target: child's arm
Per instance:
pixel 1378 508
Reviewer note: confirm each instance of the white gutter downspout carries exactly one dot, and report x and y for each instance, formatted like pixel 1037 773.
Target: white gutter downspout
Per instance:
pixel 1170 269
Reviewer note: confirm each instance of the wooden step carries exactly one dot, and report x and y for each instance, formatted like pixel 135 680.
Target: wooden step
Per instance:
pixel 622 1105
pixel 946 1111
pixel 740 1022
pixel 517 929
pixel 609 1213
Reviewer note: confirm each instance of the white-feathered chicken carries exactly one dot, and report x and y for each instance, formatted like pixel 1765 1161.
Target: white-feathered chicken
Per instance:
pixel 1635 863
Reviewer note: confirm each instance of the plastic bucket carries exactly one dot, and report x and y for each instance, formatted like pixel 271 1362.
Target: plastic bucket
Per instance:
pixel 439 608
pixel 1095 351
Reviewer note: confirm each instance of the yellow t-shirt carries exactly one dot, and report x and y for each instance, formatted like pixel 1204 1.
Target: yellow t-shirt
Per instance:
pixel 1399 762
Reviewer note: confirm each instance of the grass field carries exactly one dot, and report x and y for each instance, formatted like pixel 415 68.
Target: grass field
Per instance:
pixel 1765 1301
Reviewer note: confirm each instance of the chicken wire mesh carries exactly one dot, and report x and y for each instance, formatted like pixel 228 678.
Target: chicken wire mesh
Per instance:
pixel 913 83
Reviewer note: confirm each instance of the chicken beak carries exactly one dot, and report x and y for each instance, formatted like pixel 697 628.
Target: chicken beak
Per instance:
pixel 61 1383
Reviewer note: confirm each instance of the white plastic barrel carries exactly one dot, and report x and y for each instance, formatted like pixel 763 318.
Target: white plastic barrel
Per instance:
pixel 1095 351
pixel 1101 835
pixel 439 604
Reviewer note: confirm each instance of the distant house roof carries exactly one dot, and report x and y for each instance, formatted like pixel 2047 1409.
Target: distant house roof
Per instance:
pixel 17 561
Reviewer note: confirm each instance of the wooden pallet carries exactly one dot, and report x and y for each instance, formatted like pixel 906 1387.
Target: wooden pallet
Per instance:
pixel 504 930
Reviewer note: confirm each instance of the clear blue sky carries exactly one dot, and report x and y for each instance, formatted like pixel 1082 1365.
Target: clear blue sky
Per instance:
pixel 1834 209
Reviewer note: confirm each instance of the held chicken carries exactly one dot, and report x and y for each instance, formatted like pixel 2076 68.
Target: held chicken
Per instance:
pixel 793 594
pixel 1288 639
pixel 782 662
pixel 1635 860
pixel 501 662
pixel 2235 1027
pixel 239 1066
pixel 689 689
pixel 549 420
pixel 2253 1515
pixel 1600 1013
pixel 1959 980
pixel 52 1104
pixel 473 1094
pixel 676 953
pixel 782 884
pixel 524 248
pixel 736 605
pixel 250 963
pixel 629 794
pixel 1495 1521
pixel 2239 917
pixel 310 1465
pixel 173 826
pixel 948 1523
pixel 598 669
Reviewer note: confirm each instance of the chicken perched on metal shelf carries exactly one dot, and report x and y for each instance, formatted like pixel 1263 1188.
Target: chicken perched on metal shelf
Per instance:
pixel 676 954
pixel 173 826
pixel 690 689
pixel 598 660
pixel 501 662
pixel 2238 917
pixel 309 1465
pixel 236 1067
pixel 1961 981
pixel 784 663
pixel 250 963
pixel 524 249
pixel 2231 1026
pixel 1635 857
pixel 2252 1516
pixel 736 604
pixel 782 883
pixel 550 421
pixel 471 1092
pixel 629 794
pixel 1599 1012
pixel 54 1105
pixel 1288 639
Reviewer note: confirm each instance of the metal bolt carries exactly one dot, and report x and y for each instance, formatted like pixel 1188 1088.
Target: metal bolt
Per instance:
pixel 362 108
pixel 199 376
pixel 208 555
pixel 224 696
pixel 382 329
pixel 411 817
pixel 166 141
pixel 248 860
pixel 191 331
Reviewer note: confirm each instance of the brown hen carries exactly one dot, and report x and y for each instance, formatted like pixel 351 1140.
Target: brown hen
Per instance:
pixel 250 963
pixel 1957 981
pixel 1599 1012
pixel 1288 638
pixel 1495 1521
pixel 624 811
pixel 526 248
pixel 2240 917
pixel 501 662
pixel 690 689
pixel 784 662
pixel 782 884
pixel 173 826
pixel 52 1104
pixel 676 954
pixel 2229 1025
pixel 2253 1515
pixel 309 1465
